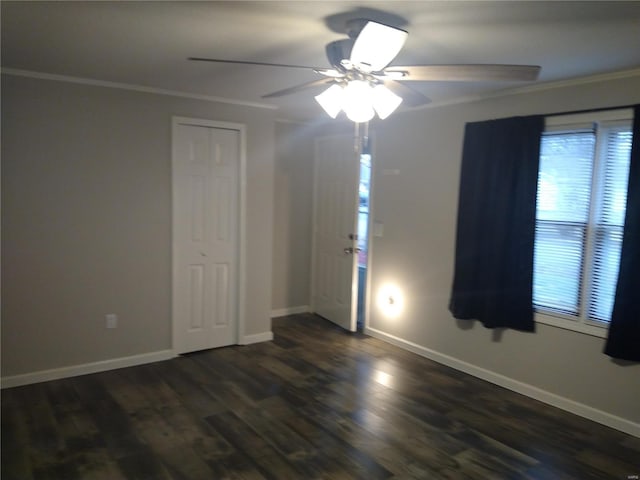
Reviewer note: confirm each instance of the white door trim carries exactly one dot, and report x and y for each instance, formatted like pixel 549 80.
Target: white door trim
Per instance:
pixel 370 222
pixel 314 219
pixel 242 221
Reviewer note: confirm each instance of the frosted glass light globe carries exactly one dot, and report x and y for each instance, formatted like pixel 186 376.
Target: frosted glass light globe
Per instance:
pixel 358 101
pixel 385 101
pixel 331 100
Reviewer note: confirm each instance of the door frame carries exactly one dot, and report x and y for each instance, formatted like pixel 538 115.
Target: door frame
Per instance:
pixel 370 223
pixel 242 221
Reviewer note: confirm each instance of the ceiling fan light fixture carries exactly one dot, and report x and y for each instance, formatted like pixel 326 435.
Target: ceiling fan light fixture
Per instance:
pixel 385 101
pixel 331 100
pixel 362 62
pixel 357 102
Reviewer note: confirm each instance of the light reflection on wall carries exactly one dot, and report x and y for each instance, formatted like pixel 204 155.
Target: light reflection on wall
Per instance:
pixel 390 300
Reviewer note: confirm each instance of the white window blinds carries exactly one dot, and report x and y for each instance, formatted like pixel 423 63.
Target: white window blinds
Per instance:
pixel 562 212
pixel 581 204
pixel 609 219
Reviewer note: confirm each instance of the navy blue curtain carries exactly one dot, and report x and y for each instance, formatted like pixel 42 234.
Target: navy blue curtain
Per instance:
pixel 623 341
pixel 493 275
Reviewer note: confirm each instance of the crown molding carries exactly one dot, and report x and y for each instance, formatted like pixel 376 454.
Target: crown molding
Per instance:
pixel 532 88
pixel 131 87
pixel 536 87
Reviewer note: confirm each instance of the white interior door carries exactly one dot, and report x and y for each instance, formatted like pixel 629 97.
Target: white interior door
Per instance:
pixel 335 262
pixel 205 236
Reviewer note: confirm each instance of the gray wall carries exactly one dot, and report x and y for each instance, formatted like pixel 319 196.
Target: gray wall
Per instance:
pixel 418 208
pixel 292 215
pixel 86 220
pixel 86 231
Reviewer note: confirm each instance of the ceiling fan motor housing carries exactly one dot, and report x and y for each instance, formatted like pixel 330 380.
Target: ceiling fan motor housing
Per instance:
pixel 338 51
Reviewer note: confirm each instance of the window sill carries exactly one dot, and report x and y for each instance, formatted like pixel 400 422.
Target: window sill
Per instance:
pixel 567 322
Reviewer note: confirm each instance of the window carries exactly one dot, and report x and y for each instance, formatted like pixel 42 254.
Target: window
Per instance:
pixel 582 195
pixel 363 207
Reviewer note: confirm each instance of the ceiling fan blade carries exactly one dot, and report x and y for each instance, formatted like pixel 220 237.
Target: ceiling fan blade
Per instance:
pixel 376 46
pixel 330 72
pixel 411 97
pixel 240 62
pixel 464 73
pixel 299 88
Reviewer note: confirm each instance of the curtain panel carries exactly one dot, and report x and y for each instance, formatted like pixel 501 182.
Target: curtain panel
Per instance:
pixel 623 341
pixel 493 273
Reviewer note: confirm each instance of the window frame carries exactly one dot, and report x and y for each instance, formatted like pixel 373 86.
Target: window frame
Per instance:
pixel 570 123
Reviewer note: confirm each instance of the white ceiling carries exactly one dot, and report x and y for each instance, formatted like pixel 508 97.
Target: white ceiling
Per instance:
pixel 147 43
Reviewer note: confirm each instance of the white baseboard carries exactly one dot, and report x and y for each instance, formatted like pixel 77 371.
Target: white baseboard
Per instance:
pixel 84 369
pixel 104 365
pixel 257 338
pixel 281 312
pixel 599 416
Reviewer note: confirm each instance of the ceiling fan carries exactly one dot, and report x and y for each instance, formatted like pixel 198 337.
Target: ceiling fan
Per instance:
pixel 362 82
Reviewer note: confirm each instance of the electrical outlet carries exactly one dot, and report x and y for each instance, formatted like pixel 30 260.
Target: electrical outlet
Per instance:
pixel 111 320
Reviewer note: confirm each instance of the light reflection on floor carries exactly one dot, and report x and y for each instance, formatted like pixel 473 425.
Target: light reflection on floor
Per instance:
pixel 383 378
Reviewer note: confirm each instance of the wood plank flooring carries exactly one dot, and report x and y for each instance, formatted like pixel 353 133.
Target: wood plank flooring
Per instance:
pixel 316 403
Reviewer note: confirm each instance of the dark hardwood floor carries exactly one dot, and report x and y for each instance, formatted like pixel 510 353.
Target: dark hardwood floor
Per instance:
pixel 315 403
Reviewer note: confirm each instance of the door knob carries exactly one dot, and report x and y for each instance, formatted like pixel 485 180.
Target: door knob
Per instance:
pixel 351 250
